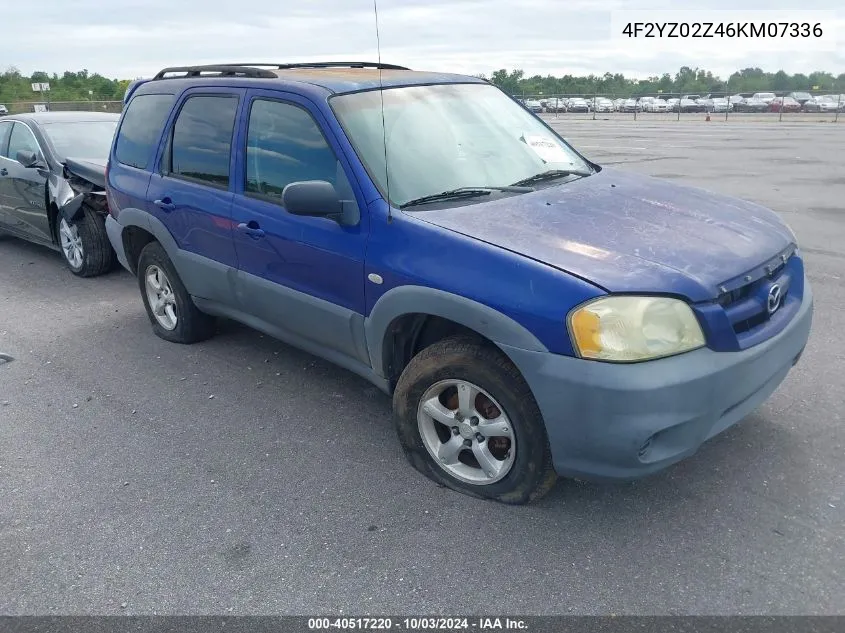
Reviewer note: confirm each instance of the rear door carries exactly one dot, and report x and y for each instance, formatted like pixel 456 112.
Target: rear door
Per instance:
pixel 302 275
pixel 24 187
pixel 190 192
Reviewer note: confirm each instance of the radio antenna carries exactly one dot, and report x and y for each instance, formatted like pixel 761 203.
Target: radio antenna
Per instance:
pixel 383 125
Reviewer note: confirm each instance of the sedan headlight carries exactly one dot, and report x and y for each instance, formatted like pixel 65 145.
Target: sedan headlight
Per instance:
pixel 630 328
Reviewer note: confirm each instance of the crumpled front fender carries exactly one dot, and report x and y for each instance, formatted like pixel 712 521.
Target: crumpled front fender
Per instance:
pixel 73 208
pixel 60 190
pixel 67 201
pixel 68 191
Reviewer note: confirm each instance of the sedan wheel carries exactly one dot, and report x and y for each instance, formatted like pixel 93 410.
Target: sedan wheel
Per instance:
pixel 71 244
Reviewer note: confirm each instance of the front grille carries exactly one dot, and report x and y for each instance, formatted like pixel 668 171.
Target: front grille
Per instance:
pixel 738 294
pixel 740 327
pixel 746 305
pixel 731 297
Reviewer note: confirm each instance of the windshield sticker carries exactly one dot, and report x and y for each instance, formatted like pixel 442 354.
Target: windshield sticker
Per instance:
pixel 547 149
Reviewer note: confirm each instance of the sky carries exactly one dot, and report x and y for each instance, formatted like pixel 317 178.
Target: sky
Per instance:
pixel 136 38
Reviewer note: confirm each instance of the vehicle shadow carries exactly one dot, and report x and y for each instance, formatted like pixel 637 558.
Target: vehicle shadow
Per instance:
pixel 27 253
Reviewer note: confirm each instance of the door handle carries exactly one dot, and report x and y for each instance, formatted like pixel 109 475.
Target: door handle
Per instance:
pixel 4 172
pixel 252 229
pixel 165 204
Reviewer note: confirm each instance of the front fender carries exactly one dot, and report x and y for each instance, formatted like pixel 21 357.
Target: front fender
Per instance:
pixel 59 190
pixel 68 200
pixel 478 317
pixel 72 209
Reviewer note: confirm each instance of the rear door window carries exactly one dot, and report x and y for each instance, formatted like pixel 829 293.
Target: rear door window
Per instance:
pixel 201 143
pixel 141 129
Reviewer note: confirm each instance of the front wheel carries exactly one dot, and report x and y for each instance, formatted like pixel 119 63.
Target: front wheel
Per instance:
pixel 467 419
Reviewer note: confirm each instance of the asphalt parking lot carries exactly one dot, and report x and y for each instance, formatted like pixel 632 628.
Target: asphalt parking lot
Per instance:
pixel 243 476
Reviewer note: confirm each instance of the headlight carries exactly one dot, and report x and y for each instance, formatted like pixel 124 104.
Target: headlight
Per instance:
pixel 628 328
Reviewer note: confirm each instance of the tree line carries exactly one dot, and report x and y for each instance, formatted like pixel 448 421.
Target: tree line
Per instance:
pixel 84 86
pixel 686 81
pixel 70 86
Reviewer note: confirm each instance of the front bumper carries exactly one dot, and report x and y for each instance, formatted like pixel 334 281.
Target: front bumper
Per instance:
pixel 114 230
pixel 622 421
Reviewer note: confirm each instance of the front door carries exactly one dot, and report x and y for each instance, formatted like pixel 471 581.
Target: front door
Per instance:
pixel 304 275
pixel 24 188
pixel 5 210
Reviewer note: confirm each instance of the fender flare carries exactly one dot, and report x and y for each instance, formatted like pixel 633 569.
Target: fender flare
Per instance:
pixel 137 218
pixel 481 318
pixel 192 268
pixel 143 220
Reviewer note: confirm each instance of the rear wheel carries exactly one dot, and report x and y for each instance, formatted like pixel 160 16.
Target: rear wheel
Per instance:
pixel 169 306
pixel 85 244
pixel 466 419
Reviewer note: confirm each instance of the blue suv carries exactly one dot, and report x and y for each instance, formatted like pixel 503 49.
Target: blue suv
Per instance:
pixel 532 313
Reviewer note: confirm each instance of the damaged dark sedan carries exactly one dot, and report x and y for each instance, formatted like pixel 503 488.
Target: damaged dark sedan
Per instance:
pixel 52 176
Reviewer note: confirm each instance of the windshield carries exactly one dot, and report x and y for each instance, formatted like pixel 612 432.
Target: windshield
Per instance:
pixel 447 136
pixel 80 139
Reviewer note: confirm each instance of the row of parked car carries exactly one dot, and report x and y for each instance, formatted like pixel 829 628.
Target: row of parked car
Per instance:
pixel 510 294
pixel 758 102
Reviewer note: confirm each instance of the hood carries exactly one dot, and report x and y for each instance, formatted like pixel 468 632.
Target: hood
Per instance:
pixel 628 233
pixel 91 169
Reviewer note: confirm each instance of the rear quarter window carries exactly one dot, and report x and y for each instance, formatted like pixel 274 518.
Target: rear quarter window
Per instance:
pixel 141 128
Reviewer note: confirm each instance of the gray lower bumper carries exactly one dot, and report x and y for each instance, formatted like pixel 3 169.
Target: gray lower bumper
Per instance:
pixel 614 421
pixel 114 231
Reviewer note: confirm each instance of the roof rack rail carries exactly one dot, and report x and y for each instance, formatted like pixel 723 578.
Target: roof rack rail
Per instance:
pixel 224 70
pixel 377 65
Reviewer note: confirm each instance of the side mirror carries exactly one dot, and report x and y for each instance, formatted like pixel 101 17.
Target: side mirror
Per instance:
pixel 27 158
pixel 312 198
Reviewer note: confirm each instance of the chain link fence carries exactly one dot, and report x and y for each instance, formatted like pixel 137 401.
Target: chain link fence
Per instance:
pixel 20 107
pixel 762 106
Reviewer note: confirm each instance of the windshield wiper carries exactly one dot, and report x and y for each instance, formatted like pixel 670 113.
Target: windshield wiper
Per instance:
pixel 465 192
pixel 550 175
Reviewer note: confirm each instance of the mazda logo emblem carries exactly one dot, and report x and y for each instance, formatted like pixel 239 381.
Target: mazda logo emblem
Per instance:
pixel 774 298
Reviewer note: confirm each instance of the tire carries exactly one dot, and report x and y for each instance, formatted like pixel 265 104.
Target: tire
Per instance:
pixel 85 244
pixel 190 325
pixel 468 360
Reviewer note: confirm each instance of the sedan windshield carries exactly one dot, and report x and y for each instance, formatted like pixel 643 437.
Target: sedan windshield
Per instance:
pixel 444 137
pixel 80 139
